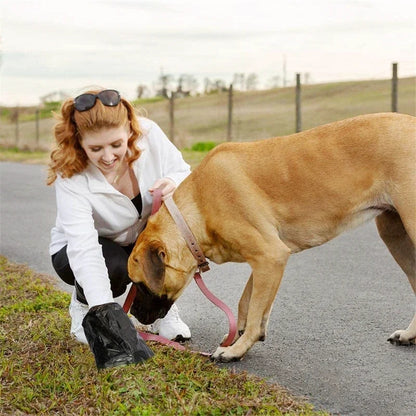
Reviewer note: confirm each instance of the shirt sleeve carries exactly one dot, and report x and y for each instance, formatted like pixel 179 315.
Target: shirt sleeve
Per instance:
pixel 172 163
pixel 84 251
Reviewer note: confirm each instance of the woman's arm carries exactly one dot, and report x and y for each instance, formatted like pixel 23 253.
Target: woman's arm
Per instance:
pixel 83 250
pixel 173 167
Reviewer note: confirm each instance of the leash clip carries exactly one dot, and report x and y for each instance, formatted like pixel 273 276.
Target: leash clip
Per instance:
pixel 203 267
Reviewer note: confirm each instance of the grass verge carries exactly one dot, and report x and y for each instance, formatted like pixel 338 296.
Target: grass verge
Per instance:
pixel 45 372
pixel 12 154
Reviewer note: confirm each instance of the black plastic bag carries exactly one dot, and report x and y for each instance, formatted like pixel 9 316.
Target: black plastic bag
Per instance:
pixel 113 338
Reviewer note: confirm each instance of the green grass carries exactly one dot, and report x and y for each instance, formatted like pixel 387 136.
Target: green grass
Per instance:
pixel 203 146
pixel 145 101
pixel 29 113
pixel 13 154
pixel 45 372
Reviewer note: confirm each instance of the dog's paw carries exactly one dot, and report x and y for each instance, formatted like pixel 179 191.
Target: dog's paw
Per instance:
pixel 402 337
pixel 224 355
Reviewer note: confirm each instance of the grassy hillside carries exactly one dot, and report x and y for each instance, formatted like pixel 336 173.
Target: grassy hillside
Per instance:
pixel 262 114
pixel 256 115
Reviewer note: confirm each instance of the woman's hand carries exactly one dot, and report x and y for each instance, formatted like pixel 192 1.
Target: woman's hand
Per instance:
pixel 166 185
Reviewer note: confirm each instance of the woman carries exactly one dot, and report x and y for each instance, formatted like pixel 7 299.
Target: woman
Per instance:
pixel 105 165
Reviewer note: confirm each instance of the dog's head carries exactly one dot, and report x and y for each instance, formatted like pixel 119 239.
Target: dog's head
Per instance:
pixel 160 266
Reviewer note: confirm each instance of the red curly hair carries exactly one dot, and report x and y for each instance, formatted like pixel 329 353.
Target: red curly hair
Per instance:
pixel 67 156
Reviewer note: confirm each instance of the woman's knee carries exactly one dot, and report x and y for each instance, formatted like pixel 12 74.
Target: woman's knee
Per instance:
pixel 115 257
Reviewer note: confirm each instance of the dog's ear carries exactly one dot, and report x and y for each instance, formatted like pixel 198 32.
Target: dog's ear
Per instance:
pixel 154 267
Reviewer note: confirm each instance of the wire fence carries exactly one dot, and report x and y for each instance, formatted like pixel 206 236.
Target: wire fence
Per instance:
pixel 233 115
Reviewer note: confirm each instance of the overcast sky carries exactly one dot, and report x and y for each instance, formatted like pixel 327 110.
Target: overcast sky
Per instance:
pixel 50 45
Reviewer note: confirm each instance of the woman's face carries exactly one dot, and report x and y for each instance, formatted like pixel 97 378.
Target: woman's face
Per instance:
pixel 106 148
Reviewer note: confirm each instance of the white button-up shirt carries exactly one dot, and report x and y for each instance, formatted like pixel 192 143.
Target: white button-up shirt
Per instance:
pixel 88 207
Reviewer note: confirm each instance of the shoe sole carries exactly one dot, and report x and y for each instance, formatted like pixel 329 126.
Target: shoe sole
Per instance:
pixel 180 338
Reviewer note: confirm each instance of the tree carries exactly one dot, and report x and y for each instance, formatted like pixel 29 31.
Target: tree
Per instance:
pixel 252 82
pixel 274 82
pixel 207 85
pixel 187 84
pixel 142 91
pixel 307 79
pixel 238 81
pixel 163 85
pixel 218 85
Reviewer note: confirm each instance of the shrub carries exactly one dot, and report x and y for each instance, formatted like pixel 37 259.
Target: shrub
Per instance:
pixel 203 146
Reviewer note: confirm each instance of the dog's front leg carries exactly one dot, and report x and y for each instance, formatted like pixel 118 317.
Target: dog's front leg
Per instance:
pixel 242 310
pixel 243 306
pixel 266 278
pixel 405 336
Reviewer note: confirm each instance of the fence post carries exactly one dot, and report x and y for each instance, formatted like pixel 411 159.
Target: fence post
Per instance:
pixel 37 128
pixel 394 89
pixel 298 105
pixel 16 116
pixel 230 114
pixel 172 117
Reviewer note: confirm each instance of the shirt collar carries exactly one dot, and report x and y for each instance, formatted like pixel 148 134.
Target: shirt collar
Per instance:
pixel 96 180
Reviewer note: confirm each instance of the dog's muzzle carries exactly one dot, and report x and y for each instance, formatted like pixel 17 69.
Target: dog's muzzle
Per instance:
pixel 147 307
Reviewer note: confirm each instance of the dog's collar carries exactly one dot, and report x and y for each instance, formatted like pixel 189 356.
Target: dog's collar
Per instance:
pixel 187 234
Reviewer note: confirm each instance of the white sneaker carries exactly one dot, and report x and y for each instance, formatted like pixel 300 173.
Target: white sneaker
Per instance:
pixel 77 310
pixel 171 326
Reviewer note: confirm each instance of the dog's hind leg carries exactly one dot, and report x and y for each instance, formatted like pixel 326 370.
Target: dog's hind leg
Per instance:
pixel 402 247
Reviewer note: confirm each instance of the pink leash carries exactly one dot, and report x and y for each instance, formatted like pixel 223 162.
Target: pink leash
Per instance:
pixel 202 264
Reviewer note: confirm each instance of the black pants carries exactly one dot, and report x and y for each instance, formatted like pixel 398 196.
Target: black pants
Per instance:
pixel 115 256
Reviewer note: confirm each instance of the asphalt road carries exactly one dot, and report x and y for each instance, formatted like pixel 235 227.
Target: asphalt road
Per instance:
pixel 327 337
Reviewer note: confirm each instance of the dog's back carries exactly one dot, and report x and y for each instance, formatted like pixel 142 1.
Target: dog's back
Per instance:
pixel 317 183
pixel 354 140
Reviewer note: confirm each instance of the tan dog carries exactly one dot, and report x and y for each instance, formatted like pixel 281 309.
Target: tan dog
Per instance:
pixel 261 201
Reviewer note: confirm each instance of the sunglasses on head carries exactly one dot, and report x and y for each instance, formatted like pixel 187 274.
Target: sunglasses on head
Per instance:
pixel 109 98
